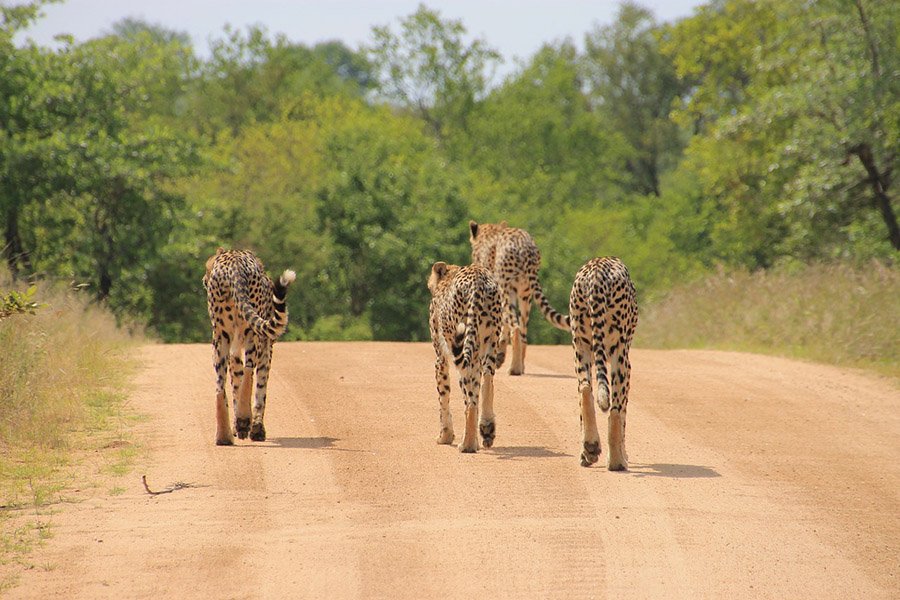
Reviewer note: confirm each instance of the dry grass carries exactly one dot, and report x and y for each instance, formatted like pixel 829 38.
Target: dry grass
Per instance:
pixel 62 377
pixel 837 314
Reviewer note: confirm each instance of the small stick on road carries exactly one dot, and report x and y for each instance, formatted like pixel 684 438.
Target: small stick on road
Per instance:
pixel 168 490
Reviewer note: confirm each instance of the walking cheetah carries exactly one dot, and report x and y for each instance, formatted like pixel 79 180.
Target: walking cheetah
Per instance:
pixel 603 315
pixel 465 316
pixel 513 259
pixel 248 314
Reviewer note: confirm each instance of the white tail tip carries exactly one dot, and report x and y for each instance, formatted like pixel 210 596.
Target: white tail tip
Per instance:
pixel 288 277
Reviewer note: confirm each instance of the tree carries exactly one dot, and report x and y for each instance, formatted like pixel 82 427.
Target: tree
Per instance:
pixel 132 29
pixel 161 61
pixel 538 137
pixel 92 169
pixel 429 68
pixel 251 78
pixel 796 115
pixel 634 85
pixel 392 209
pixel 28 116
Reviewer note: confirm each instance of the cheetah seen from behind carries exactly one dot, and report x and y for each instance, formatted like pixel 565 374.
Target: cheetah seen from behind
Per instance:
pixel 464 317
pixel 603 315
pixel 513 259
pixel 248 314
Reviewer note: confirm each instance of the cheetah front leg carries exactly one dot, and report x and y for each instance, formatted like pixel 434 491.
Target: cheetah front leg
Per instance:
pixel 442 380
pixel 224 434
pixel 590 434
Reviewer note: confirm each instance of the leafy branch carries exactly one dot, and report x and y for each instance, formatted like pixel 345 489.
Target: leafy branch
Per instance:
pixel 18 303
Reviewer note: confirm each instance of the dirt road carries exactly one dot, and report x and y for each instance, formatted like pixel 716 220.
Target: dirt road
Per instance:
pixel 751 477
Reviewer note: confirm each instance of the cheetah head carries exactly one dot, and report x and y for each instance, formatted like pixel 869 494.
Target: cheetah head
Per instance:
pixel 440 271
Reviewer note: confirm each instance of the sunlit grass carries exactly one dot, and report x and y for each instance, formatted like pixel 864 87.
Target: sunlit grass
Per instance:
pixel 62 373
pixel 837 314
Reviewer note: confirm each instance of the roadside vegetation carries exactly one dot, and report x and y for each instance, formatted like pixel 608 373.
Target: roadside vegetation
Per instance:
pixel 748 135
pixel 831 313
pixel 63 419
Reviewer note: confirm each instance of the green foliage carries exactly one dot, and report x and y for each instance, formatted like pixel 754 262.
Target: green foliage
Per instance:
pixel 429 69
pixel 750 135
pixel 253 79
pixel 538 135
pixel 16 17
pixel 85 168
pixel 392 210
pixel 633 85
pixel 796 113
pixel 537 152
pixel 14 302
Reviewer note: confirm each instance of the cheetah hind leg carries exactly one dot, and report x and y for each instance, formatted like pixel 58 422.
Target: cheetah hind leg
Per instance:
pixel 471 386
pixel 617 459
pixel 470 439
pixel 257 432
pixel 590 453
pixel 502 345
pixel 517 365
pixel 442 377
pixel 487 425
pixel 224 433
pixel 243 382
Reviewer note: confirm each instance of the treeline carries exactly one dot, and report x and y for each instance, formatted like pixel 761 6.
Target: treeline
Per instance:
pixel 752 134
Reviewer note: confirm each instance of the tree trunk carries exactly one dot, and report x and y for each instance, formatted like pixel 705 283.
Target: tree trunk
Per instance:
pixel 879 186
pixel 13 250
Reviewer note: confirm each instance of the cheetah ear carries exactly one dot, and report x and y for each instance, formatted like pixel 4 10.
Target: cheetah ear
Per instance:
pixel 473 227
pixel 439 269
pixel 503 223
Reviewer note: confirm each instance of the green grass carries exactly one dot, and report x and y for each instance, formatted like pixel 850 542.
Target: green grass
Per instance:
pixel 837 314
pixel 63 374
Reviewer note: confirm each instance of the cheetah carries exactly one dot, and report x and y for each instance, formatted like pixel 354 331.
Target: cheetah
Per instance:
pixel 513 260
pixel 464 318
pixel 603 314
pixel 248 314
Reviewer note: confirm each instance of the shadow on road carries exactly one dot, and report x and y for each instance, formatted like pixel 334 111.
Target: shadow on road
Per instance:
pixel 675 471
pixel 549 375
pixel 301 442
pixel 515 452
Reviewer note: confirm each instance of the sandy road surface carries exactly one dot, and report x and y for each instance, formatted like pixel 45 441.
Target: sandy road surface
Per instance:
pixel 751 477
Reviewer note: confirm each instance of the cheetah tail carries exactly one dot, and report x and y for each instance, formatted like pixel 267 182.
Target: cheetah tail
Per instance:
pixel 463 347
pixel 557 319
pixel 278 322
pixel 273 327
